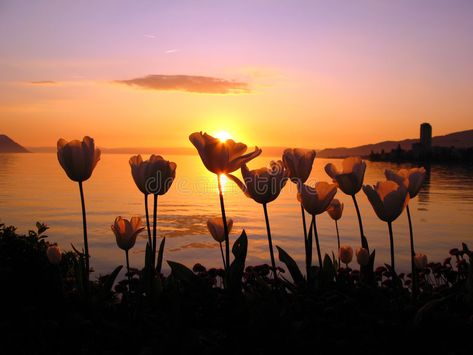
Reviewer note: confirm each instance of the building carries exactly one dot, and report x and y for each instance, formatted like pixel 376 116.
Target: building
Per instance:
pixel 423 149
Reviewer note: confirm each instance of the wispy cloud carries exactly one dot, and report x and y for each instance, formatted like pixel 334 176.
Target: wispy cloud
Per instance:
pixel 150 36
pixel 189 83
pixel 170 51
pixel 43 82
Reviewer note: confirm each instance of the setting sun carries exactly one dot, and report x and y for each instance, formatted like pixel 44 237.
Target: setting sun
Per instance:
pixel 223 135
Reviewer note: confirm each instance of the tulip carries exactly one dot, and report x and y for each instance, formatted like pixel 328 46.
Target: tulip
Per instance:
pixel 362 256
pixel 413 180
pixel 335 210
pixel 54 254
pixel 299 164
pixel 315 200
pixel 78 159
pixel 345 253
pixel 126 232
pixel 153 176
pixel 388 200
pixel 420 261
pixel 264 185
pixel 217 231
pixel 350 180
pixel 222 157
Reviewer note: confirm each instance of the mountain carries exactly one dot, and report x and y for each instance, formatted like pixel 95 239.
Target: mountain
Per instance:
pixel 463 139
pixel 8 145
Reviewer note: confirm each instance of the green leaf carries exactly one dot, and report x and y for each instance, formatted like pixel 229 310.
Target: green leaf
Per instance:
pixel 182 273
pixel 108 284
pixel 160 255
pixel 237 267
pixel 328 268
pixel 291 266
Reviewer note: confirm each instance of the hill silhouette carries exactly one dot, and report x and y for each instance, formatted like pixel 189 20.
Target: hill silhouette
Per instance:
pixel 8 145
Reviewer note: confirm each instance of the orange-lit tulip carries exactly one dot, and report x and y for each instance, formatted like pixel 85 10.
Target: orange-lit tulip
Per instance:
pixel 420 261
pixel 387 198
pixel 411 178
pixel 221 157
pixel 152 176
pixel 316 199
pixel 350 179
pixel 265 184
pixel 215 227
pixel 362 256
pixel 345 253
pixel 78 159
pixel 126 231
pixel 299 163
pixel 335 209
pixel 54 254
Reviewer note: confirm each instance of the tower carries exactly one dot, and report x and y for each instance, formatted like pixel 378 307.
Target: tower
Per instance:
pixel 426 137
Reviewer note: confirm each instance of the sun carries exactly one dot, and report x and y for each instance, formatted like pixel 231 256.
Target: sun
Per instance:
pixel 223 135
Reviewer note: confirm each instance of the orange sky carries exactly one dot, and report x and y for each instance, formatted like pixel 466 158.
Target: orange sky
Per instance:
pixel 271 73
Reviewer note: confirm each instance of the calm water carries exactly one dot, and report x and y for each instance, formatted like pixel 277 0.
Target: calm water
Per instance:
pixel 33 188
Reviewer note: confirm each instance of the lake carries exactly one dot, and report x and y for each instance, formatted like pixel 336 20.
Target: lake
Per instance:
pixel 33 187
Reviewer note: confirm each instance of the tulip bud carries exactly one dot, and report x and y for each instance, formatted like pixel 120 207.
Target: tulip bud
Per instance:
pixel 126 231
pixel 420 260
pixel 362 256
pixel 345 253
pixel 54 254
pixel 78 158
pixel 335 209
pixel 216 229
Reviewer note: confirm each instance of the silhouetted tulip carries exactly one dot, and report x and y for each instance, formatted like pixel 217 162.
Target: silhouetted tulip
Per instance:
pixel 420 261
pixel 262 185
pixel 387 198
pixel 345 254
pixel 152 176
pixel 299 163
pixel 78 159
pixel 350 179
pixel 126 231
pixel 221 157
pixel 411 178
pixel 316 199
pixel 335 209
pixel 54 254
pixel 362 256
pixel 215 227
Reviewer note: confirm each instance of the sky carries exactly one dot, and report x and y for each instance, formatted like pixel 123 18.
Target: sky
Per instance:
pixel 312 74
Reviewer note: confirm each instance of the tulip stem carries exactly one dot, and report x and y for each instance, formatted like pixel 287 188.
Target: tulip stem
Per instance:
pixel 306 242
pixel 338 242
pixel 221 252
pixel 413 253
pixel 360 223
pixel 155 220
pixel 147 219
pixel 316 236
pixel 391 242
pixel 84 227
pixel 128 271
pixel 270 242
pixel 225 226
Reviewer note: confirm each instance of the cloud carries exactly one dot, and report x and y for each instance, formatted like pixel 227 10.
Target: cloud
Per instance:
pixel 43 82
pixel 189 83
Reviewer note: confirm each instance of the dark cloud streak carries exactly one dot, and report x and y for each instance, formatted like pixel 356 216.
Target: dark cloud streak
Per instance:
pixel 189 83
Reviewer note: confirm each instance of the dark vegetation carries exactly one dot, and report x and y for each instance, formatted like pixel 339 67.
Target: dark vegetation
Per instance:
pixel 47 309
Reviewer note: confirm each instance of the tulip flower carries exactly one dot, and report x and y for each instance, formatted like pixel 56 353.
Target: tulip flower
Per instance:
pixel 345 253
pixel 388 200
pixel 299 164
pixel 350 180
pixel 420 261
pixel 222 157
pixel 315 200
pixel 153 176
pixel 53 254
pixel 413 180
pixel 217 231
pixel 264 185
pixel 78 159
pixel 362 256
pixel 126 232
pixel 335 210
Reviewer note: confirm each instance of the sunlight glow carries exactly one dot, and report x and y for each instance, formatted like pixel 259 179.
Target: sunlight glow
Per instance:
pixel 223 136
pixel 223 181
